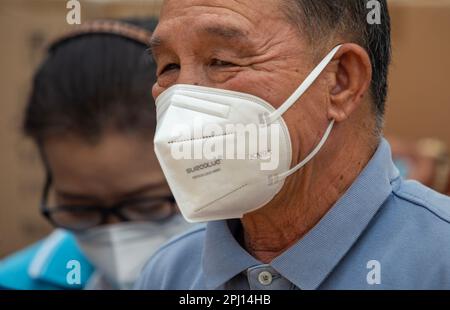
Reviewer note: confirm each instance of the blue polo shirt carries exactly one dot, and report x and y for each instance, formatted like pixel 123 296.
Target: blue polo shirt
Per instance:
pixel 383 233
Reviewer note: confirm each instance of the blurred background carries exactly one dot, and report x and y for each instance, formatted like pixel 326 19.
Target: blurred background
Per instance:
pixel 417 120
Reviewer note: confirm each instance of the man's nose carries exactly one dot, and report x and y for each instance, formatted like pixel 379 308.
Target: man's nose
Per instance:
pixel 188 74
pixel 193 75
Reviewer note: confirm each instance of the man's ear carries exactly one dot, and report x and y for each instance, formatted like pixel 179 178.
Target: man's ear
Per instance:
pixel 352 76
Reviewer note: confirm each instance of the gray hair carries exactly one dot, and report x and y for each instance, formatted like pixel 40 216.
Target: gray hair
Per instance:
pixel 323 20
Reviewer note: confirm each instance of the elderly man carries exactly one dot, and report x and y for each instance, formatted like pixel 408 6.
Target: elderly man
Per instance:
pixel 345 220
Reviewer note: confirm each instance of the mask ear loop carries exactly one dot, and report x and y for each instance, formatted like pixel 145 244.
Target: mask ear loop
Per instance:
pixel 278 177
pixel 303 87
pixel 310 79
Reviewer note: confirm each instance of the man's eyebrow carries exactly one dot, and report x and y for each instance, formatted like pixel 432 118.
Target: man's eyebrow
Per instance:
pixel 226 32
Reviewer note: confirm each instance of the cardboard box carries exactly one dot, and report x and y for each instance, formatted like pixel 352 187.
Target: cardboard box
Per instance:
pixel 419 97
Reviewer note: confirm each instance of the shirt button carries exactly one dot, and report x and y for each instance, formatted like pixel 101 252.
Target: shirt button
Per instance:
pixel 265 278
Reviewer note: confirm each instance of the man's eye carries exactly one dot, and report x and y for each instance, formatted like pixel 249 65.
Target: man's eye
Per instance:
pixel 169 67
pixel 222 63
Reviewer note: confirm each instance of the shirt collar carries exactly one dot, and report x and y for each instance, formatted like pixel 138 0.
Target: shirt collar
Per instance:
pixel 223 257
pixel 310 260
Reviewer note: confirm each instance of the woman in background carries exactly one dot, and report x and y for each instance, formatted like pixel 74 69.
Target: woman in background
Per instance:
pixel 92 117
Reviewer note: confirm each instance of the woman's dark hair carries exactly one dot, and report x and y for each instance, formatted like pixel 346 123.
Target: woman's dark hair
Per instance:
pixel 92 82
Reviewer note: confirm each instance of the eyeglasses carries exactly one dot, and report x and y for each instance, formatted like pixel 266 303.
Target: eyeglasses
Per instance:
pixel 83 217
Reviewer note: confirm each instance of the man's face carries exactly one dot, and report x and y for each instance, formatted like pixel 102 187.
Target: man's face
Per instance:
pixel 247 46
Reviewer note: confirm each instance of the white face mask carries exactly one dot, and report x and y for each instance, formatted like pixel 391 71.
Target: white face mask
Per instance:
pixel 209 188
pixel 120 251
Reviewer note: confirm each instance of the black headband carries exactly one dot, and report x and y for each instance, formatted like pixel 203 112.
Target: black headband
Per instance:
pixel 114 27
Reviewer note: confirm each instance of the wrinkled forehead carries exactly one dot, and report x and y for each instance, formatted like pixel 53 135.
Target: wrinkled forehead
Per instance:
pixel 250 12
pixel 235 21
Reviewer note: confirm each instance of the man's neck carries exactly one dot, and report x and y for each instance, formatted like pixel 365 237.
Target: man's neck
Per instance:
pixel 305 198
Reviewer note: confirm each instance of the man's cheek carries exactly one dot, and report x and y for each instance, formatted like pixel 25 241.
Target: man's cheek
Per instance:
pixel 264 85
pixel 162 84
